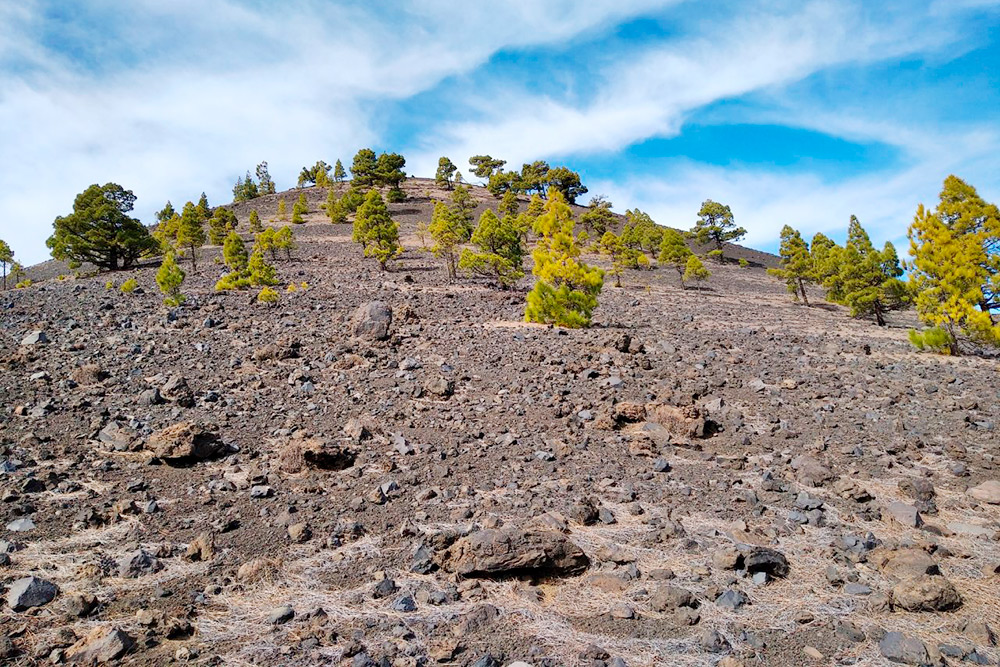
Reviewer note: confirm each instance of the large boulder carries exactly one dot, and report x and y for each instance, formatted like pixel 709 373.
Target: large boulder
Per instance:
pixel 30 592
pixel 371 321
pixel 908 564
pixel 511 552
pixel 101 646
pixel 987 492
pixel 905 650
pixel 185 441
pixel 927 593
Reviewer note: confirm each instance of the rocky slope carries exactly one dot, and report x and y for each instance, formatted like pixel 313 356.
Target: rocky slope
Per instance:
pixel 391 469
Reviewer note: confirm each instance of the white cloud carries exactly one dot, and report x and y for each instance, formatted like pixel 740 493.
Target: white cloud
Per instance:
pixel 652 96
pixel 190 94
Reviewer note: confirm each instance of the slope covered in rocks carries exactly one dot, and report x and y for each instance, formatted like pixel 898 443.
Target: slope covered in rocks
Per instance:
pixel 704 477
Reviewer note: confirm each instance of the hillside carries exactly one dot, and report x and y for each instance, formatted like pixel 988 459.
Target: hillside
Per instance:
pixel 704 477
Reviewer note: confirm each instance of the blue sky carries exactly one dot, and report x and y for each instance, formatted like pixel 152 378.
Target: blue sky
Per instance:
pixel 792 112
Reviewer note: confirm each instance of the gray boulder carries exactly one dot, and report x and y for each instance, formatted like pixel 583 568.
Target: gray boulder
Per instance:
pixel 30 592
pixel 371 321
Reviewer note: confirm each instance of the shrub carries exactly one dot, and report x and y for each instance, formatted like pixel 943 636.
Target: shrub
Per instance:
pixel 714 255
pixel 395 195
pixel 129 286
pixel 744 264
pixel 267 296
pixel 299 209
pixel 284 239
pixel 27 282
pixel 169 278
pixel 695 270
pixel 935 339
pixel 109 285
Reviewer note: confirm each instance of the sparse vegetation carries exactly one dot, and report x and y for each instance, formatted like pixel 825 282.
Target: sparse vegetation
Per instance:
pixel 268 296
pixel 129 286
pixel 934 339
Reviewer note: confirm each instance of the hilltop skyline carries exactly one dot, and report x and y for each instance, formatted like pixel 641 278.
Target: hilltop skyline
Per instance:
pixel 791 113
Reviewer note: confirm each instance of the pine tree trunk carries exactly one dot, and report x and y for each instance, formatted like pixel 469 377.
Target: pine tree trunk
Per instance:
pixel 879 319
pixel 194 259
pixel 802 288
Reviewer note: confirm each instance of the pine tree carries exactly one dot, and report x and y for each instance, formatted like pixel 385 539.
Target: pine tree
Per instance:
pixel 259 272
pixel 463 206
pixel 445 171
pixel 282 210
pixel 255 224
pixel 448 233
pixel 166 212
pixel 203 208
pixel 674 252
pixel 375 229
pixel 715 226
pixel 266 185
pixel 508 206
pixel 222 222
pixel 100 231
pixel 6 259
pixel 565 292
pixel 865 279
pixel 299 209
pixel 567 182
pixel 796 263
pixel 955 266
pixel 484 166
pixel 599 216
pixel 265 242
pixel 338 172
pixel 234 252
pixel 499 253
pixel 363 169
pixel 191 232
pixel 620 254
pixel 245 189
pixel 641 233
pixel 696 271
pixel 284 239
pixel 169 278
pixel 334 211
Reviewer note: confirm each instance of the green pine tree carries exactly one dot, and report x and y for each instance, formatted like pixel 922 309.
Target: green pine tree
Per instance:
pixel 796 263
pixel 566 289
pixel 375 229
